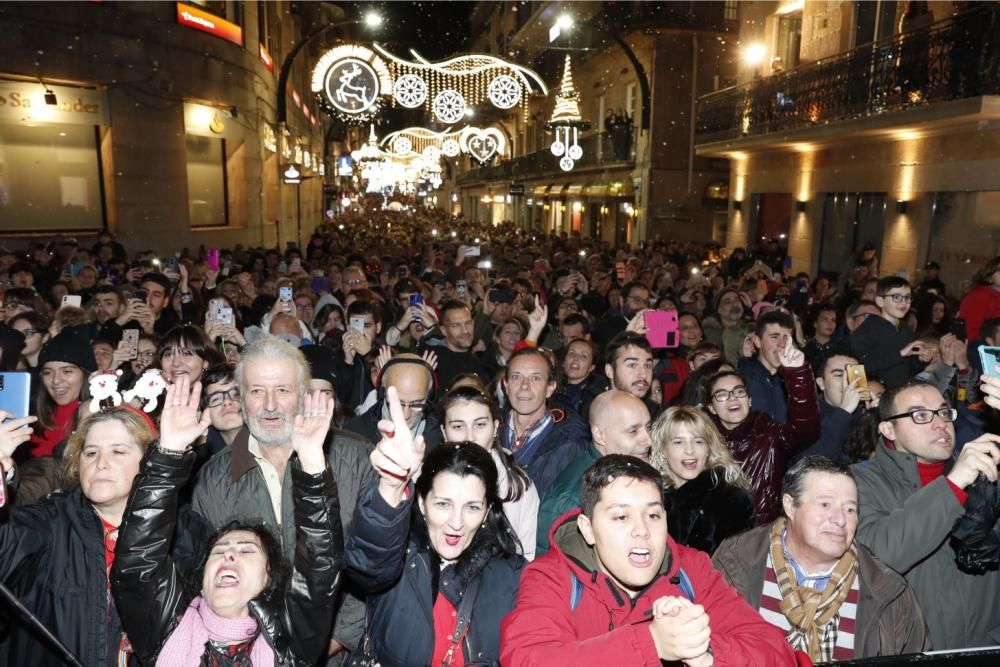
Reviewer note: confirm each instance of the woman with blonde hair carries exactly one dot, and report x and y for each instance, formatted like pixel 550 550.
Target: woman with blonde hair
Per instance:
pixel 708 496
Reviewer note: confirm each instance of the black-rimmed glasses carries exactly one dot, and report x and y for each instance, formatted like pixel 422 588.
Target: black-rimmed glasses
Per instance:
pixel 926 416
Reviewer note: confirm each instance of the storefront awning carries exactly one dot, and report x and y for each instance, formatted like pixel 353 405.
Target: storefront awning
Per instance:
pixel 574 189
pixel 540 190
pixel 597 190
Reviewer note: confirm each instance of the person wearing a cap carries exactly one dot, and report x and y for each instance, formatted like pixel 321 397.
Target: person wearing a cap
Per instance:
pixel 932 280
pixel 64 364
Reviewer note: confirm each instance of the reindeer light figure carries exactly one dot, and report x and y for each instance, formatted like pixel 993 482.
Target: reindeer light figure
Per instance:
pixel 347 89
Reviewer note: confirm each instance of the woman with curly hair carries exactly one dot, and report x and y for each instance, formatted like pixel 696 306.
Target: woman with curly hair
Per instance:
pixel 708 495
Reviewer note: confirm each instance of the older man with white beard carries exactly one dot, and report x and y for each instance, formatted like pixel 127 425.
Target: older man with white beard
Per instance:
pixel 251 479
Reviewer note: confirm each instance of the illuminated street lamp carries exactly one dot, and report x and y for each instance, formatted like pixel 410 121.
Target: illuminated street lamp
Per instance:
pixel 754 54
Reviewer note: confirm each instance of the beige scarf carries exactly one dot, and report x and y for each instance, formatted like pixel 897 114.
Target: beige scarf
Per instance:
pixel 809 610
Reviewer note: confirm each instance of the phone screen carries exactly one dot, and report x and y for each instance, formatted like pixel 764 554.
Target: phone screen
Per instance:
pixel 990 358
pixel 358 323
pixel 857 372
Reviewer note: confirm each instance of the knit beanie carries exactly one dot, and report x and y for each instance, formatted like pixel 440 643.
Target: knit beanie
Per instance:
pixel 71 346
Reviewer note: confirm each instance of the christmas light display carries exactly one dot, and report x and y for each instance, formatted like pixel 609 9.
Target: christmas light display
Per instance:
pixel 566 122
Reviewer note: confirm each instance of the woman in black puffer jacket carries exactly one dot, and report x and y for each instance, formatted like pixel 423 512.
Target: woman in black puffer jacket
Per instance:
pixel 433 552
pixel 240 607
pixel 708 496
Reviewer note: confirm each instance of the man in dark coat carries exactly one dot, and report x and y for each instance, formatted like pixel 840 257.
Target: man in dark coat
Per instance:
pixel 542 441
pixel 872 613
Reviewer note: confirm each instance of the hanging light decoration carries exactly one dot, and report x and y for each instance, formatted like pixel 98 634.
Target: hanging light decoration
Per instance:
pixel 566 122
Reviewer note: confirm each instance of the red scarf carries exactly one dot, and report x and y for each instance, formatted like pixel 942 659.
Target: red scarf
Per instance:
pixel 64 419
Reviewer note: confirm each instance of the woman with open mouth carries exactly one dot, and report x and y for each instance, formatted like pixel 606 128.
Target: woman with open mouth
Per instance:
pixel 438 559
pixel 186 351
pixel 708 496
pixel 243 606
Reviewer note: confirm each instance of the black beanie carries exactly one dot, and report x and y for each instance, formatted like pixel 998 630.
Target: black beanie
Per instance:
pixel 71 346
pixel 322 362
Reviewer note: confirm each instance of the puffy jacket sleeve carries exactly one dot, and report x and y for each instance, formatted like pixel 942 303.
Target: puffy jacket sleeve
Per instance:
pixel 319 547
pixel 540 631
pixel 147 588
pixel 740 636
pixel 802 426
pixel 376 547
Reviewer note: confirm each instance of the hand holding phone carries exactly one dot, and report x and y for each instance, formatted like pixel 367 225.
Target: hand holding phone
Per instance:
pixel 857 372
pixel 130 343
pixel 212 259
pixel 358 324
pixel 71 300
pixel 662 328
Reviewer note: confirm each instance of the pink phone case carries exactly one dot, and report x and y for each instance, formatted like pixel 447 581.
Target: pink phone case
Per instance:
pixel 662 328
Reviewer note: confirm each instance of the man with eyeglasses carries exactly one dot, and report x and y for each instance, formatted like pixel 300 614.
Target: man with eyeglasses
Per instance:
pixel 221 397
pixel 911 492
pixel 413 379
pixel 882 343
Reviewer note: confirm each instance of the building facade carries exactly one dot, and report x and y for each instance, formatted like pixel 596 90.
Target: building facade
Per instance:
pixel 864 122
pixel 158 122
pixel 635 179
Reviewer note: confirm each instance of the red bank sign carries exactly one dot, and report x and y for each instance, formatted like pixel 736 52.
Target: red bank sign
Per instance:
pixel 199 19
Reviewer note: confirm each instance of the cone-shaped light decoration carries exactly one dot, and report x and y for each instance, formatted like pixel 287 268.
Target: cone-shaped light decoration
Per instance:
pixel 567 109
pixel 566 122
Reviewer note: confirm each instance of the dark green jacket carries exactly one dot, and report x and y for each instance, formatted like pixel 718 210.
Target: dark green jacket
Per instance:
pixel 562 496
pixel 231 486
pixel 907 525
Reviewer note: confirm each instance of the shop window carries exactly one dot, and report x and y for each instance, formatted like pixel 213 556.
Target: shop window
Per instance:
pixel 730 10
pixel 206 176
pixel 50 178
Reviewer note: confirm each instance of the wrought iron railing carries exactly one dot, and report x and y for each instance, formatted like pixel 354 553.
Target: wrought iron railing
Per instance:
pixel 598 150
pixel 952 59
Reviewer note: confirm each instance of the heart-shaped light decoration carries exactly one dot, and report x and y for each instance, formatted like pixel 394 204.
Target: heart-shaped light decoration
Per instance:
pixel 482 144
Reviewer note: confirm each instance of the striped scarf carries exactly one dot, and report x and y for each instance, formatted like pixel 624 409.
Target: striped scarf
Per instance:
pixel 810 611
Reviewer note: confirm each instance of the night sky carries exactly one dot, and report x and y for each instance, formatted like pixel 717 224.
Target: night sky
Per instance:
pixel 435 29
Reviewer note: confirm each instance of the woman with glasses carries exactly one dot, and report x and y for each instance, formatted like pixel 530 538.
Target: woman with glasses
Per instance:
pixel 35 328
pixel 762 445
pixel 708 496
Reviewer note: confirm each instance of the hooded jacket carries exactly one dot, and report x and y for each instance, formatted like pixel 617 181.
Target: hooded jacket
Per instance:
pixel 607 627
pixel 150 592
pixel 763 446
pixel 889 620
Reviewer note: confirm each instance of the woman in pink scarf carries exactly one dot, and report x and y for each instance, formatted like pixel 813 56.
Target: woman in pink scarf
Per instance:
pixel 243 609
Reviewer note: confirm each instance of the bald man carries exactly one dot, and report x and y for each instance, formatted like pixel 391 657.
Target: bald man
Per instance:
pixel 619 424
pixel 414 380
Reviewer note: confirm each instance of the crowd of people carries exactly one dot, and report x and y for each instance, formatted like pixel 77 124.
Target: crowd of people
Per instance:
pixel 417 440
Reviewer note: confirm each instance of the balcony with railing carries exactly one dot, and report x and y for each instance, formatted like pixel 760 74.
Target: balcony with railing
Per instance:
pixel 953 59
pixel 604 150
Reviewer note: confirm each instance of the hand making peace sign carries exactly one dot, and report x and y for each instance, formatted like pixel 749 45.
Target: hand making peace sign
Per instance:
pixel 398 455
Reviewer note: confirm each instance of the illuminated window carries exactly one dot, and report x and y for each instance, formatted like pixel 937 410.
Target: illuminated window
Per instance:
pixel 50 178
pixel 206 176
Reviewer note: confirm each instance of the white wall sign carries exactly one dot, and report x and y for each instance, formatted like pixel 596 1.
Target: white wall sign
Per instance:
pixel 24 102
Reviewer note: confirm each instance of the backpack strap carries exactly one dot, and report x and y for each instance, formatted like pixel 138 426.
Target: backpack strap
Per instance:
pixel 575 591
pixel 684 584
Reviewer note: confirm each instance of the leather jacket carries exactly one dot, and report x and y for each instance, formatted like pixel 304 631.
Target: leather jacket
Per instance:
pixel 296 623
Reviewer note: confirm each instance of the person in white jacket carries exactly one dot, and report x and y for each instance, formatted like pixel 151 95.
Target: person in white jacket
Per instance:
pixel 467 414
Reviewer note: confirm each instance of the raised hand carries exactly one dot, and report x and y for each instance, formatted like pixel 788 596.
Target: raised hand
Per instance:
pixel 537 319
pixel 309 431
pixel 638 322
pixel 979 456
pixel 384 355
pixel 430 356
pixel 398 455
pixel 791 356
pixel 12 436
pixel 180 425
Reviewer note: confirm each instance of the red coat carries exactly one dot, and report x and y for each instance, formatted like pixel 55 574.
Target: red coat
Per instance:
pixel 607 629
pixel 979 305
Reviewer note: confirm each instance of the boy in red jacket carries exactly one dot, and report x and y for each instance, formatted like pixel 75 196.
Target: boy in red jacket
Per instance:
pixel 616 589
